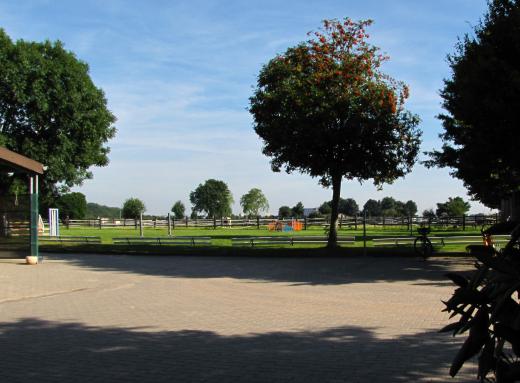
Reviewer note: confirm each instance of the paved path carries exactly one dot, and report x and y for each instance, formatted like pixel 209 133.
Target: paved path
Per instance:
pixel 98 318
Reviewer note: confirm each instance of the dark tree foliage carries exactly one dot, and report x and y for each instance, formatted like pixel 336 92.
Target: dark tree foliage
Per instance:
pixel 297 210
pixel 325 208
pixel 284 212
pixel 410 208
pixel 372 208
pixel 133 208
pixel 325 109
pixel 95 210
pixel 178 210
pixel 453 207
pixel 213 197
pixel 51 111
pixel 72 205
pixel 482 98
pixel 348 206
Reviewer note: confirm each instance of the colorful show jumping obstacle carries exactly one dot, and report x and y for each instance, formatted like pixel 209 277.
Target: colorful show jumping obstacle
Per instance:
pixel 292 225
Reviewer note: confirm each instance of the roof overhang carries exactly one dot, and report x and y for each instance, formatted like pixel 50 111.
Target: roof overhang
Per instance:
pixel 18 162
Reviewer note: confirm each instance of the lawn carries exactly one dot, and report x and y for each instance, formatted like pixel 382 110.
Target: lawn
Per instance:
pixel 221 239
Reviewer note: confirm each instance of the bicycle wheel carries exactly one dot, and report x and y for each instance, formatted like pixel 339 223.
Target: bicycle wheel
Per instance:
pixel 423 247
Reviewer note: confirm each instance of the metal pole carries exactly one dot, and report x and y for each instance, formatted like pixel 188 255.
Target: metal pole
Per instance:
pixel 169 225
pixel 33 191
pixel 365 233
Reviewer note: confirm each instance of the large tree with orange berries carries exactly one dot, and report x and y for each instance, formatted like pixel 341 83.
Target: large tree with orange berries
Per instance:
pixel 325 108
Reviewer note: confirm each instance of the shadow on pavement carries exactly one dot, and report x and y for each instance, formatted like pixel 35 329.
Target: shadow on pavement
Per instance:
pixel 38 351
pixel 308 270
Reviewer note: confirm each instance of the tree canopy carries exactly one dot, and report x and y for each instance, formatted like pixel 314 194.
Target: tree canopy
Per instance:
pixel 481 100
pixel 213 197
pixel 72 205
pixel 133 208
pixel 253 202
pixel 51 111
pixel 297 210
pixel 453 207
pixel 178 210
pixel 284 212
pixel 324 108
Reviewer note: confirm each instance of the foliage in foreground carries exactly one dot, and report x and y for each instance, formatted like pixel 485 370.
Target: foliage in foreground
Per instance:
pixel 487 305
pixel 481 100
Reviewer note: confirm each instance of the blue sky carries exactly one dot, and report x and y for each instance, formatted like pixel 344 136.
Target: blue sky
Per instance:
pixel 178 75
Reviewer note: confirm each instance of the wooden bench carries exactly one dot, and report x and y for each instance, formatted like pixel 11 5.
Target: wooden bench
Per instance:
pixel 285 240
pixel 69 239
pixel 192 241
pixel 441 241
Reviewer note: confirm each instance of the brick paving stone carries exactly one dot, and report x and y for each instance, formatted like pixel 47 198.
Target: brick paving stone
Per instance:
pixel 100 318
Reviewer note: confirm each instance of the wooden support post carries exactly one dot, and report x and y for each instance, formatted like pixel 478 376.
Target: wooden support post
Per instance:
pixel 141 231
pixel 340 221
pixel 464 222
pixel 169 225
pixel 258 222
pixel 100 223
pixel 186 221
pixel 214 223
pixel 355 221
pixel 305 223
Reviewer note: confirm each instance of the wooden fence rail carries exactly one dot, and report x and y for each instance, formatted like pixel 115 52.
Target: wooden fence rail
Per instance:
pixel 355 222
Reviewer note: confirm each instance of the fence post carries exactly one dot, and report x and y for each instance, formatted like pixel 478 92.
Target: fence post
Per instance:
pixel 304 223
pixel 173 223
pixel 154 222
pixel 258 222
pixel 355 221
pixel 463 222
pixel 364 233
pixel 169 225
pixel 135 223
pixel 410 224
pixel 340 221
pixel 383 221
pixel 214 222
pixel 186 221
pixel 141 225
pixel 100 223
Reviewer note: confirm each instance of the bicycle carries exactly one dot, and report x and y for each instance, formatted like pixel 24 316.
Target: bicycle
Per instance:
pixel 422 244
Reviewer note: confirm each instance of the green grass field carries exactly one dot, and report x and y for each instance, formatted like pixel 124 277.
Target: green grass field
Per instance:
pixel 221 240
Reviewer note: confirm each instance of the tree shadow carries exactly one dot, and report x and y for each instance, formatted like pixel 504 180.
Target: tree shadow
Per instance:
pixel 295 270
pixel 33 350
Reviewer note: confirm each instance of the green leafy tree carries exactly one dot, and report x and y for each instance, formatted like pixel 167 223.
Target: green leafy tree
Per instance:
pixel 372 208
pixel 325 208
pixel 428 213
pixel 95 210
pixel 51 111
pixel 213 198
pixel 453 207
pixel 481 99
pixel 389 206
pixel 72 205
pixel 297 210
pixel 324 108
pixel 410 208
pixel 284 212
pixel 178 210
pixel 133 208
pixel 348 206
pixel 253 202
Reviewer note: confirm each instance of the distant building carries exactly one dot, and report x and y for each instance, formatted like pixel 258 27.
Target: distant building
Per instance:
pixel 309 210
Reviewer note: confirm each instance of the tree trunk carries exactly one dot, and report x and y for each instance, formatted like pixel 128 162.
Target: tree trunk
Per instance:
pixel 336 191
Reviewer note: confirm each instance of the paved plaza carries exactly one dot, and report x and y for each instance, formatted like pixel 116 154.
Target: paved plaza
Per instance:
pixel 95 318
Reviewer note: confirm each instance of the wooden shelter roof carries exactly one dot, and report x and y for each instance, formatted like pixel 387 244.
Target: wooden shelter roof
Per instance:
pixel 19 162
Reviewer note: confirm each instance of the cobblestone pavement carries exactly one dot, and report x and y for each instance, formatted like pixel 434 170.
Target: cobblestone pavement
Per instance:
pixel 95 318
